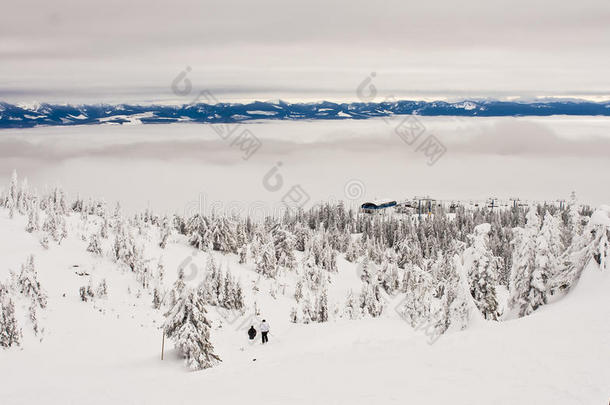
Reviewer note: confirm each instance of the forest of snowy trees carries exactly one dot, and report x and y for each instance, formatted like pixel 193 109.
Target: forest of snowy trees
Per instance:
pixel 446 268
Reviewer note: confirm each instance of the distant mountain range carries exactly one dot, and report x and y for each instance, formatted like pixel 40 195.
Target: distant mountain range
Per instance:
pixel 26 116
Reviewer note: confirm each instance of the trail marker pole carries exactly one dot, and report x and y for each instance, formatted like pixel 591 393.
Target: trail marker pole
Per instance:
pixel 163 345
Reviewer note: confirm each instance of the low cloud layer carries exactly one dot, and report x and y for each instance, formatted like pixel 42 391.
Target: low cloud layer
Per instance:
pixel 169 166
pixel 499 136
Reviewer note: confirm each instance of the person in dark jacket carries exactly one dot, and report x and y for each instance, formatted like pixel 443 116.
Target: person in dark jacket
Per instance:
pixel 252 332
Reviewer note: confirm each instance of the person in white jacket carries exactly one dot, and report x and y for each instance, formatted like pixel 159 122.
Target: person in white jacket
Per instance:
pixel 264 331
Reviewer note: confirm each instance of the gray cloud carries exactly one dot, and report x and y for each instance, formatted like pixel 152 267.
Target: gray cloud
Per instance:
pixel 474 47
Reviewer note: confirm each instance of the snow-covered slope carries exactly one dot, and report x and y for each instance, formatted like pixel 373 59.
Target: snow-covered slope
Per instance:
pixel 107 350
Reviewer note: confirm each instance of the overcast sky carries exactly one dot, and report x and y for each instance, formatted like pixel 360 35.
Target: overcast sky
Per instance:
pixel 75 51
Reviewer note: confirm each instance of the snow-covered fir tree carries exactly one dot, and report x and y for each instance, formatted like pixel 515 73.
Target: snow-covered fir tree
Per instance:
pixel 33 218
pixel 451 308
pixel 483 270
pixel 284 246
pixel 390 277
pixel 102 289
pixel 266 262
pixel 157 299
pixel 418 289
pixel 86 292
pixel 222 235
pixel 165 233
pixel 29 285
pixel 370 300
pixel 197 231
pixel 10 332
pixel 95 245
pixel 591 245
pixel 321 310
pixel 549 249
pixel 367 270
pixel 527 288
pixel 177 288
pixel 352 309
pixel 186 324
pixel 351 253
pixel 298 290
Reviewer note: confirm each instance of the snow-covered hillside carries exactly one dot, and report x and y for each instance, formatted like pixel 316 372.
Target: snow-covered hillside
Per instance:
pixel 465 294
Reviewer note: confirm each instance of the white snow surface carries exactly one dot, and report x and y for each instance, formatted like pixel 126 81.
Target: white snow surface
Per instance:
pixel 108 350
pixel 601 216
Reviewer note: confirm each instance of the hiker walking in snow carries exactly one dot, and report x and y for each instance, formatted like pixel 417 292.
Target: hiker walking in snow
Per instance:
pixel 252 333
pixel 264 331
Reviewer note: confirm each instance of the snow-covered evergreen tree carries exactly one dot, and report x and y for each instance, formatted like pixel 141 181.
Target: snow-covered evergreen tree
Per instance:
pixel 86 292
pixel 322 306
pixel 33 315
pixel 105 227
pixel 294 315
pixel 187 325
pixel 238 296
pixel 33 218
pixel 575 224
pixel 165 232
pixel 593 244
pixel 307 310
pixel 10 332
pixel 371 302
pixel 29 285
pixel 351 254
pixel 266 263
pixel 301 234
pixel 329 259
pixel 157 300
pixel 298 290
pixel 160 270
pixel 197 231
pixel 95 246
pixel 549 248
pixel 284 246
pixel 367 271
pixel 527 288
pixel 222 235
pixel 102 289
pixel 483 270
pixel 451 308
pixel 242 252
pixel 390 277
pixel 212 281
pixel 352 309
pixel 177 289
pixel 418 289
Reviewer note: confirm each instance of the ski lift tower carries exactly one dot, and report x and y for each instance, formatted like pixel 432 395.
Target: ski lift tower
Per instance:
pixel 427 202
pixel 515 201
pixel 562 204
pixel 492 202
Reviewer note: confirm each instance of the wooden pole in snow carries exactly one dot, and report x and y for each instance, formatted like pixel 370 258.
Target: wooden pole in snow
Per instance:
pixel 163 344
